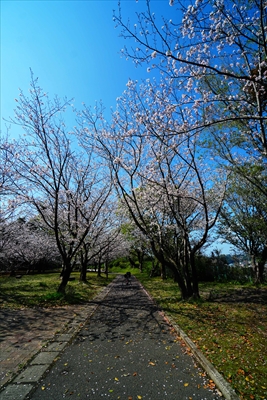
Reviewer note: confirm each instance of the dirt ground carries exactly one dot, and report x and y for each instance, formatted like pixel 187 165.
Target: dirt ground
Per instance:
pixel 245 295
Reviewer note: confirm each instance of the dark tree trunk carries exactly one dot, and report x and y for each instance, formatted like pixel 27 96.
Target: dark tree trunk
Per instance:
pixel 186 267
pixel 83 268
pixel 155 268
pixel 194 277
pixel 140 256
pixel 163 271
pixel 259 271
pixel 131 262
pixel 106 269
pixel 83 273
pixel 99 269
pixel 186 292
pixel 65 275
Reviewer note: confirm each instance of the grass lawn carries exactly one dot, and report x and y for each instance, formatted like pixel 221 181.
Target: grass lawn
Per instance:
pixel 41 290
pixel 230 329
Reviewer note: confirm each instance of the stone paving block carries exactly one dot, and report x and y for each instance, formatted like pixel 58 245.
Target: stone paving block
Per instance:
pixel 18 345
pixel 31 374
pixel 65 337
pixel 72 329
pixel 15 392
pixel 44 358
pixel 6 376
pixel 55 346
pixel 4 355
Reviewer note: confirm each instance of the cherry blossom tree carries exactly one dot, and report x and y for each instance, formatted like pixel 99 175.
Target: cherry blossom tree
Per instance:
pixel 7 204
pixel 101 238
pixel 110 245
pixel 216 54
pixel 139 246
pixel 28 245
pixel 161 177
pixel 53 176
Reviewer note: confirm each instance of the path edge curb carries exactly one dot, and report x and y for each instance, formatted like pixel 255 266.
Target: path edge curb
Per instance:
pixel 220 382
pixel 224 387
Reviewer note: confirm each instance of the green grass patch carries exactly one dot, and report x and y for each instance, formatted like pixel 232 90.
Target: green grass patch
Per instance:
pixel 228 324
pixel 41 290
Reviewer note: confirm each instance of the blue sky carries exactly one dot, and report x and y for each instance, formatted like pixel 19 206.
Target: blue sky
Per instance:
pixel 71 46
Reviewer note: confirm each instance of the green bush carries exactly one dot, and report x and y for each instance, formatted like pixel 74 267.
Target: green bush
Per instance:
pixel 120 263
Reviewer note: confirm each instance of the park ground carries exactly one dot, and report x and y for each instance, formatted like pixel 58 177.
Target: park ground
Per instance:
pixel 228 324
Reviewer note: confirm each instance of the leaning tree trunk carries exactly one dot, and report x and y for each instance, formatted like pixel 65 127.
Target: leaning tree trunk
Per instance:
pixel 65 276
pixel 185 292
pixel 178 277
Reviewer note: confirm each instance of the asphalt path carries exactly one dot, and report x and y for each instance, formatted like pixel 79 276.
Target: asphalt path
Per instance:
pixel 127 350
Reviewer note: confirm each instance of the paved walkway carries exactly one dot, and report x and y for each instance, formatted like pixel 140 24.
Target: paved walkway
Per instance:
pixel 25 331
pixel 118 347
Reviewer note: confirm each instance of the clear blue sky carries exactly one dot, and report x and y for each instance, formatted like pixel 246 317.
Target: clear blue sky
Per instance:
pixel 71 46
